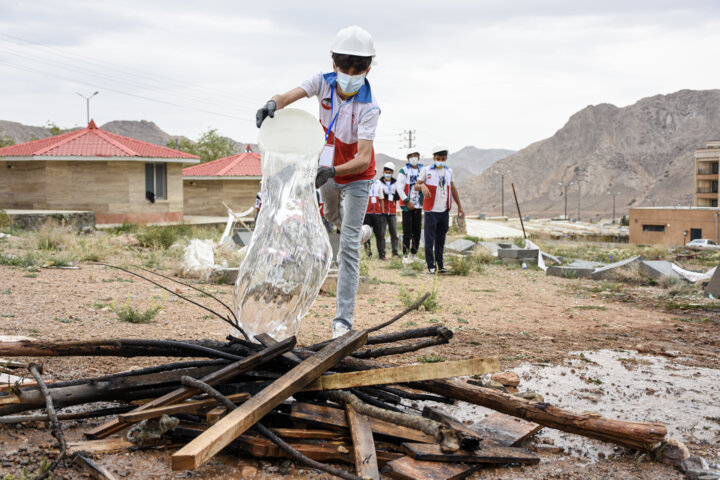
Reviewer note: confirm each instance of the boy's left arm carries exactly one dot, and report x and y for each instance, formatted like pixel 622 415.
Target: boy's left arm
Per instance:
pixel 360 163
pixel 456 197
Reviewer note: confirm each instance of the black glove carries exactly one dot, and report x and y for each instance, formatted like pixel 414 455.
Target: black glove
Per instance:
pixel 268 110
pixel 323 175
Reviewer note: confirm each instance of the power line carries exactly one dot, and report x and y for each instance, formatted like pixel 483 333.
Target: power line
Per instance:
pixel 408 140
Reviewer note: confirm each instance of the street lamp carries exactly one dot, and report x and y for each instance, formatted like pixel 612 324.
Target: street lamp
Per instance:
pixel 502 193
pixel 87 104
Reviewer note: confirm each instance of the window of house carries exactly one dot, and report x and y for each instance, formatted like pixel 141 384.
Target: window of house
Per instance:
pixel 156 181
pixel 653 228
pixel 715 167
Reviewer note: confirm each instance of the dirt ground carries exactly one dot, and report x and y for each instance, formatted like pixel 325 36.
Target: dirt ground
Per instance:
pixel 520 316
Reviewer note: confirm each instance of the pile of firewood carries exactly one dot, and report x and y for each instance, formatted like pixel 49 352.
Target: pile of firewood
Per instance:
pixel 331 402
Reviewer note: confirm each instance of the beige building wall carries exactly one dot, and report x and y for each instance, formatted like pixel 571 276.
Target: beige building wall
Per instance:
pixel 206 197
pixel 706 175
pixel 677 224
pixel 114 190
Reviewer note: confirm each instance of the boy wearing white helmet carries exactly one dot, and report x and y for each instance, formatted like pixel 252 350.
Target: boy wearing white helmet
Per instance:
pixel 436 184
pixel 389 203
pixel 349 116
pixel 411 202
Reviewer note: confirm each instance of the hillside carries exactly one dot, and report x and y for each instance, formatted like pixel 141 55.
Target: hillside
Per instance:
pixel 643 151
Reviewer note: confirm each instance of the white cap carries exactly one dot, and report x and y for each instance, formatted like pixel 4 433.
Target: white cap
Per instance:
pixel 353 41
pixel 411 151
pixel 389 166
pixel 439 148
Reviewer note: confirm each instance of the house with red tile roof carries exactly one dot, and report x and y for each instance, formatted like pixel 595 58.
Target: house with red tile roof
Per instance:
pixel 119 178
pixel 234 181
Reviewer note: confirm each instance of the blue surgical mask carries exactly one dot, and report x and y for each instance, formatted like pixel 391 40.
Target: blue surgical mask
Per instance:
pixel 388 176
pixel 439 164
pixel 413 161
pixel 350 84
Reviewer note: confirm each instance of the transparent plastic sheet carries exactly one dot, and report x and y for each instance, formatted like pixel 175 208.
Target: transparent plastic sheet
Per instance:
pixel 290 254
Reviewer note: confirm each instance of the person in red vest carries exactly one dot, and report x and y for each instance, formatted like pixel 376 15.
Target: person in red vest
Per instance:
pixel 411 202
pixel 389 203
pixel 375 219
pixel 436 183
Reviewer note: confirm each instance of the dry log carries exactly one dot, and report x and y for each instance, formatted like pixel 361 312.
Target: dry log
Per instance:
pixel 469 439
pixel 628 434
pixel 201 449
pixel 116 348
pixel 55 429
pixel 96 471
pixel 183 393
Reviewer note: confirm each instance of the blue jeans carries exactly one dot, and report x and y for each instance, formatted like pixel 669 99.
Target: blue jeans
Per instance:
pixel 436 228
pixel 353 199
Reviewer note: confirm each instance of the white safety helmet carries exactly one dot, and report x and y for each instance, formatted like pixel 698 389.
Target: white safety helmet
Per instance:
pixel 411 151
pixel 353 41
pixel 439 148
pixel 389 166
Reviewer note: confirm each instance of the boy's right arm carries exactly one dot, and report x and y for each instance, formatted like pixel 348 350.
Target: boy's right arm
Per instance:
pixel 278 102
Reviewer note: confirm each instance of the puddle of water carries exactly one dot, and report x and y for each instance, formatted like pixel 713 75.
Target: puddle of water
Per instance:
pixel 623 385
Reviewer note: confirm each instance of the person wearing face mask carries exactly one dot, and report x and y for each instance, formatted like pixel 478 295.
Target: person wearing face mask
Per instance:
pixel 411 203
pixel 349 115
pixel 436 183
pixel 389 203
pixel 375 220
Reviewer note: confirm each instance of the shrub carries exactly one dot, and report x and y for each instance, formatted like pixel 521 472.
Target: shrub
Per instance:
pixel 460 265
pixel 430 304
pixel 157 237
pixel 5 220
pixel 27 260
pixel 127 313
pixel 52 237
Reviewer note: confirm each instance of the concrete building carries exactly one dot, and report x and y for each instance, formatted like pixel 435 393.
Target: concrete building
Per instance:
pixel 706 175
pixel 119 178
pixel 673 225
pixel 234 181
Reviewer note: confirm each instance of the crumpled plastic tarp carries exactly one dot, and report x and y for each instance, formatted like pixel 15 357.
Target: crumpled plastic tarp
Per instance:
pixel 199 259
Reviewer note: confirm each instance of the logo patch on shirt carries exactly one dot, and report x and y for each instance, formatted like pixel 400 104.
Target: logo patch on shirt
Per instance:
pixel 326 104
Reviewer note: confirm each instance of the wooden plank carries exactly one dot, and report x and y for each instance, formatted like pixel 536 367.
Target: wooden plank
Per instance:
pixel 185 407
pixel 183 393
pixel 214 415
pixel 322 452
pixel 366 464
pixel 408 373
pixel 106 445
pixel 504 430
pixel 215 438
pixel 96 471
pixel 306 434
pixel 334 417
pixel 489 454
pixel 639 435
pixel 469 439
pixel 407 468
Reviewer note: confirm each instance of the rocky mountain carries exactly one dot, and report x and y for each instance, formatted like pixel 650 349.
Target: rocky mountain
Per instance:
pixel 642 153
pixel 20 133
pixel 141 130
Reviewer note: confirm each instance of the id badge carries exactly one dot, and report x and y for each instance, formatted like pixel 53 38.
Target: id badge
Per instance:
pixel 327 157
pixel 373 200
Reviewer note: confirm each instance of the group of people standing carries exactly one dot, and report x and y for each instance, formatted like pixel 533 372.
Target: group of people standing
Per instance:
pixel 418 189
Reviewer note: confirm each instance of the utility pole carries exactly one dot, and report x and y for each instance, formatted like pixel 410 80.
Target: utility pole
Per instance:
pixel 87 104
pixel 566 187
pixel 580 176
pixel 409 138
pixel 502 193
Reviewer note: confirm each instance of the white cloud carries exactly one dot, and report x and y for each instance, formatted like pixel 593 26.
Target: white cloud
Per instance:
pixel 476 72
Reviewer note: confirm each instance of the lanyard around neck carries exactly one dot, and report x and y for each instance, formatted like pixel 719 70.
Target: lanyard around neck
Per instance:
pixel 332 109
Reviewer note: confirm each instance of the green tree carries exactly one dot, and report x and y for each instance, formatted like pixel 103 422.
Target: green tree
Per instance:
pixel 54 129
pixel 210 146
pixel 6 141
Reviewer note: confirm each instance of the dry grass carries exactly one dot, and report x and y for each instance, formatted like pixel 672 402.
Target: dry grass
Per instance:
pixel 52 237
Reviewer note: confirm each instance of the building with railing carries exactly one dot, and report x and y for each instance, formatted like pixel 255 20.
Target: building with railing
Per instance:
pixel 678 225
pixel 706 175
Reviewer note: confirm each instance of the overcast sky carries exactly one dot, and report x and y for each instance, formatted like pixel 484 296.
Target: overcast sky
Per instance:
pixel 485 73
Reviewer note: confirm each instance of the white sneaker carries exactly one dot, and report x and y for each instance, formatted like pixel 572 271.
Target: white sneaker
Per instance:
pixel 366 234
pixel 339 329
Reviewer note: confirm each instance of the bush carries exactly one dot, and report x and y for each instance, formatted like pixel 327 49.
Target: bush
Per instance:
pixel 27 260
pixel 5 220
pixel 157 237
pixel 460 265
pixel 52 237
pixel 127 313
pixel 430 304
pixel 625 221
pixel 124 228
